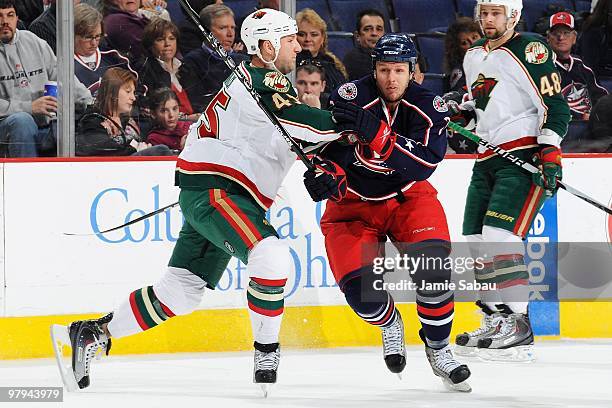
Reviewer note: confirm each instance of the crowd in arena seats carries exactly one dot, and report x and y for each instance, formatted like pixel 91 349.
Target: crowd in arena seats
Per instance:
pixel 154 46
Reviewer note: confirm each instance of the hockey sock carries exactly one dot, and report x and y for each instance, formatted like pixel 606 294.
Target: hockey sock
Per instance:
pixel 377 308
pixel 434 299
pixel 513 281
pixel 142 311
pixel 486 274
pixel 266 305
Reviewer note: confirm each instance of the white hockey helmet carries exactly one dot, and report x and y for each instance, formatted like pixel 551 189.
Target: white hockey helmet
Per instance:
pixel 513 8
pixel 266 24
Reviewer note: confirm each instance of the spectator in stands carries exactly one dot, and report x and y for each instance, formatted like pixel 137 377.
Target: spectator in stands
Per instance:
pixel 154 9
pixel 203 71
pixel 26 64
pixel 28 10
pixel 123 27
pixel 460 36
pixel 191 37
pixel 108 129
pixel 161 65
pixel 310 85
pixel 578 83
pixel 596 39
pixel 45 26
pixel 369 28
pixel 167 129
pixel 90 63
pixel 422 66
pixel 312 36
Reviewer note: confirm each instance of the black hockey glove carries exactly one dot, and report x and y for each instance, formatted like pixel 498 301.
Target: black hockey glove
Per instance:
pixel 328 180
pixel 367 127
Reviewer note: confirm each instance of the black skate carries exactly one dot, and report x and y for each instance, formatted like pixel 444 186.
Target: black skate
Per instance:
pixel 394 351
pixel 267 358
pixel 513 341
pixel 467 342
pixel 86 340
pixel 452 372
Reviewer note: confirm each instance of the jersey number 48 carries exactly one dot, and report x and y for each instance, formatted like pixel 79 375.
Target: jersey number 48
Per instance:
pixel 545 84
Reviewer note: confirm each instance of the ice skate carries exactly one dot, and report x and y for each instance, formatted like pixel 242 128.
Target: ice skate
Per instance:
pixel 467 342
pixel 512 342
pixel 267 358
pixel 86 339
pixel 452 372
pixel 394 350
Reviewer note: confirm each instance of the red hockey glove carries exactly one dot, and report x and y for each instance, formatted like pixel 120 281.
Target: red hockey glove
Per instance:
pixel 548 160
pixel 327 181
pixel 368 128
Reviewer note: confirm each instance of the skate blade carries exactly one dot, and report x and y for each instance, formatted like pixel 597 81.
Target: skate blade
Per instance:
pixel 519 354
pixel 463 386
pixel 266 388
pixel 61 339
pixel 464 351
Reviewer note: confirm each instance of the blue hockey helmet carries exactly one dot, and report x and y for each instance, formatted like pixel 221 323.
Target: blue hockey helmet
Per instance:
pixel 394 47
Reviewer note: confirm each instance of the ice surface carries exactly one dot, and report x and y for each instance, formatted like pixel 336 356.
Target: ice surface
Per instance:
pixel 566 374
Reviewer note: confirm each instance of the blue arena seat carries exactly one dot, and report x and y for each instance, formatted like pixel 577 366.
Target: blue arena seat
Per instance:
pixel 466 7
pixel 582 5
pixel 241 7
pixel 345 11
pixel 320 6
pixel 433 49
pixel 533 10
pixel 418 16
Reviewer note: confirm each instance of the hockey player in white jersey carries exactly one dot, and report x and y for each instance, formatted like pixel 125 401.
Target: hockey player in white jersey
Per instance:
pixel 514 92
pixel 229 173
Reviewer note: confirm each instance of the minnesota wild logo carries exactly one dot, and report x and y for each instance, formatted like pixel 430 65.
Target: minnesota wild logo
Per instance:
pixel 276 81
pixel 481 90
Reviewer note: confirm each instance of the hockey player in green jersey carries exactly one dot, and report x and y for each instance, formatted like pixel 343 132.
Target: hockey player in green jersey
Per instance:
pixel 229 173
pixel 514 92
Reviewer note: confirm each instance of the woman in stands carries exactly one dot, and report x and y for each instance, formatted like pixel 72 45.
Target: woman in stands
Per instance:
pixel 160 43
pixel 312 36
pixel 168 129
pixel 459 37
pixel 108 129
pixel 90 63
pixel 596 39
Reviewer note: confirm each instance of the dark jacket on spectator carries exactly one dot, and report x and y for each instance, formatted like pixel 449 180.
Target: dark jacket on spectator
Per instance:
pixel 202 75
pixel 45 26
pixel 124 34
pixel 154 76
pixel 91 76
pixel 599 133
pixel 170 138
pixel 191 37
pixel 358 62
pixel 94 139
pixel 596 50
pixel 579 86
pixel 28 10
pixel 333 77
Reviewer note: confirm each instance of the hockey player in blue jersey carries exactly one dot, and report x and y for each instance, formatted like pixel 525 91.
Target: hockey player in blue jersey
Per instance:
pixel 378 189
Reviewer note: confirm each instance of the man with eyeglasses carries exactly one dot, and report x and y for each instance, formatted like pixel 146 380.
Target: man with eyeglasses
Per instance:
pixel 578 83
pixel 26 64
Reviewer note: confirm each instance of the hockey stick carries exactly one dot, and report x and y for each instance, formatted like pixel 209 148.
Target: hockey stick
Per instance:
pixel 216 46
pixel 527 166
pixel 134 221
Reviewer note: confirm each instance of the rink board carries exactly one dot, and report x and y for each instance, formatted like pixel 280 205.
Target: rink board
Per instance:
pixel 48 277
